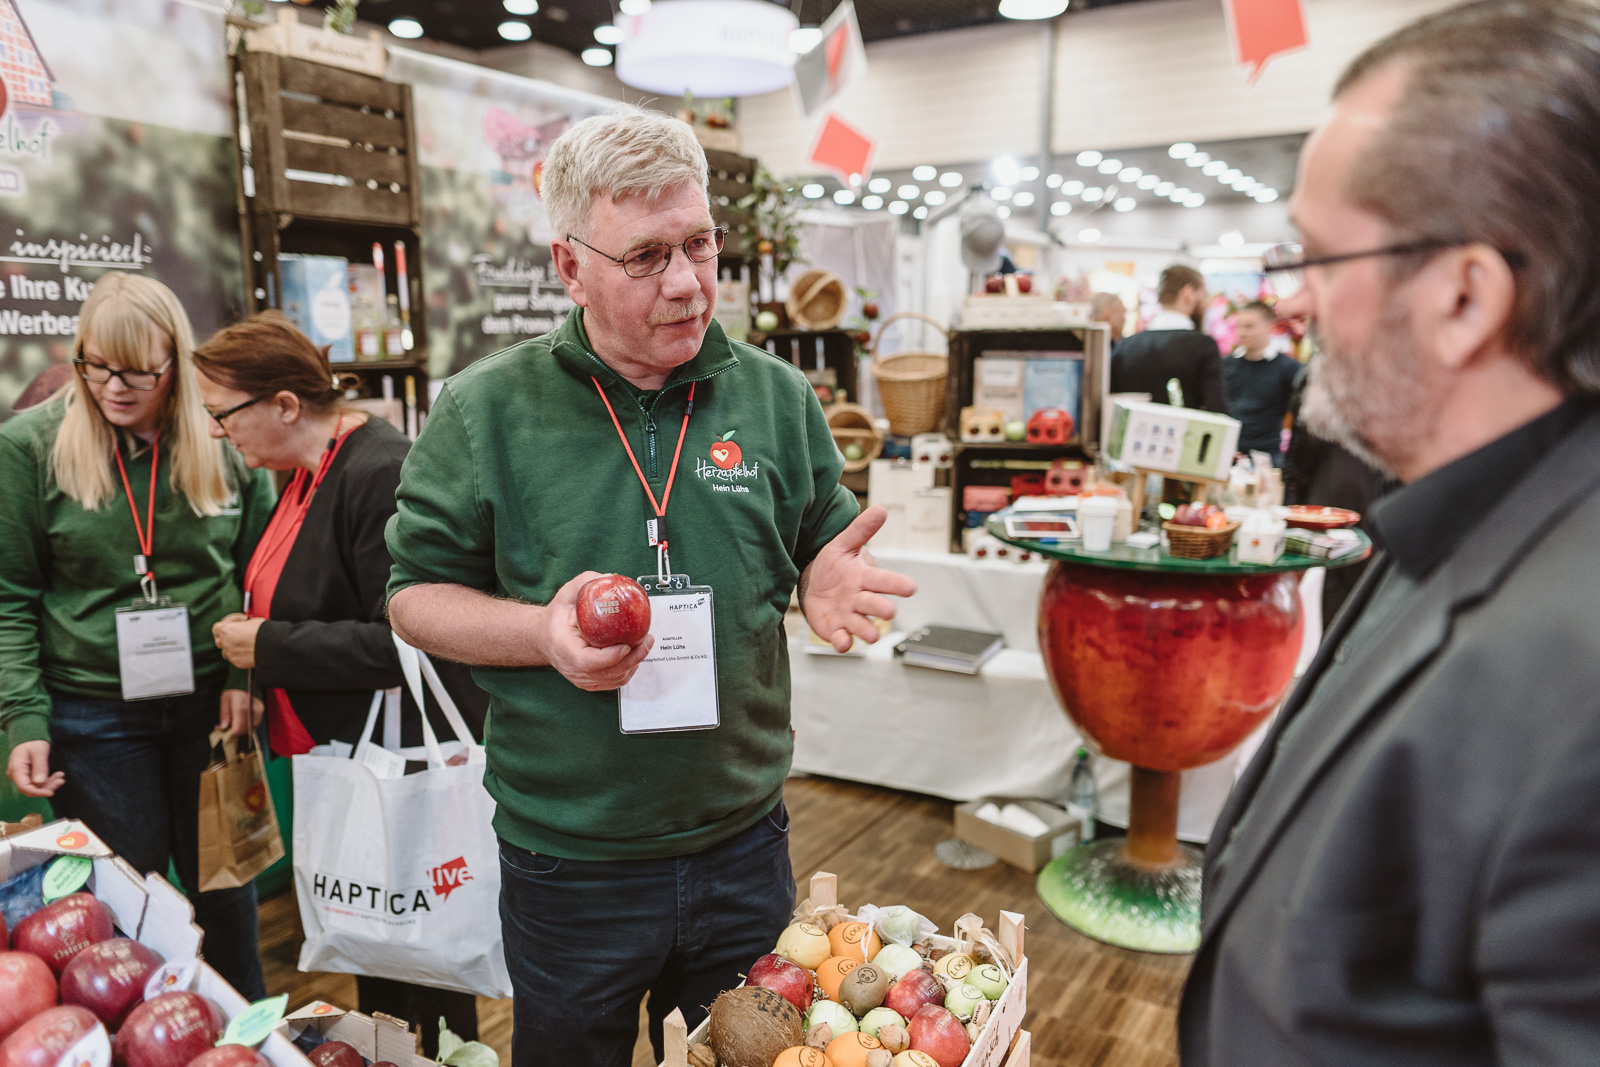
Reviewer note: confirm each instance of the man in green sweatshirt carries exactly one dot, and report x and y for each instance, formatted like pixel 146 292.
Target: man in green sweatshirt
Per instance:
pixel 643 839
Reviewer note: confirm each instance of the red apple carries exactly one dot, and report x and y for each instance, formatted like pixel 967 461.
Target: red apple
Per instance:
pixel 613 610
pixel 26 988
pixel 109 978
pixel 41 1040
pixel 869 310
pixel 57 932
pixel 784 977
pixel 335 1054
pixel 911 991
pixel 5 938
pixel 940 1034
pixel 232 1056
pixel 1024 283
pixel 168 1031
pixel 995 283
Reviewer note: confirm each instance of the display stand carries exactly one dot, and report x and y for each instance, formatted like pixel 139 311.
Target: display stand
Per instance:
pixel 1142 474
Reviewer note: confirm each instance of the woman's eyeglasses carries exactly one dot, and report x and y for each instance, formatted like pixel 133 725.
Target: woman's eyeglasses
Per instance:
pixel 100 374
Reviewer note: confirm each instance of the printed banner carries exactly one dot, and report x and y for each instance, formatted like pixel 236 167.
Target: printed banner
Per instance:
pixel 116 153
pixel 482 139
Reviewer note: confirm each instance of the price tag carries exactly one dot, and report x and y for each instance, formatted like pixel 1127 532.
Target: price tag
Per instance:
pixel 91 1050
pixel 66 876
pixel 256 1023
pixel 174 976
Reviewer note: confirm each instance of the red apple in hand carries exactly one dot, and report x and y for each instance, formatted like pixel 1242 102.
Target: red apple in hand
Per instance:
pixel 940 1034
pixel 335 1054
pixel 1024 283
pixel 109 978
pixel 613 610
pixel 57 932
pixel 231 1056
pixel 911 991
pixel 168 1031
pixel 26 988
pixel 41 1040
pixel 784 977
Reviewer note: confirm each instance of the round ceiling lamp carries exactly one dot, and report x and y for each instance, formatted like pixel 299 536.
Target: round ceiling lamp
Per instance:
pixel 1032 9
pixel 710 48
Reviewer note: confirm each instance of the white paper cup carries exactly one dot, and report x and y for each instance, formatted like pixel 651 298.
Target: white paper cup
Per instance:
pixel 1097 519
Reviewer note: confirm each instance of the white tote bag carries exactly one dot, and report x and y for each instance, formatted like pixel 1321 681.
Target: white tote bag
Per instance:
pixel 398 875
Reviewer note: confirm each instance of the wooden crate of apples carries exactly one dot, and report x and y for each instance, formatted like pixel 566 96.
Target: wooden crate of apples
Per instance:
pixel 839 992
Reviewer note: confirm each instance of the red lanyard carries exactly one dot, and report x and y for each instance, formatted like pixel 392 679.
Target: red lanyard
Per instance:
pixel 655 529
pixel 146 534
pixel 281 529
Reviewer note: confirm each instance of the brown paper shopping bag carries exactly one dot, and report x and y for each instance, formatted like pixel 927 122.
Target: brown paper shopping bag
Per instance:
pixel 239 835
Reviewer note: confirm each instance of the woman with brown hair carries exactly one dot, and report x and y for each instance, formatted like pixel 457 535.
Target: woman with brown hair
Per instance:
pixel 314 629
pixel 114 495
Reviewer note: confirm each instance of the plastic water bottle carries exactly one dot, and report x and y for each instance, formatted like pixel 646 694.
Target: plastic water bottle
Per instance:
pixel 1082 799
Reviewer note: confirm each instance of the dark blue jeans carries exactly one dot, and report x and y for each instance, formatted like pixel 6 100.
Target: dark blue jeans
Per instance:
pixel 133 776
pixel 585 940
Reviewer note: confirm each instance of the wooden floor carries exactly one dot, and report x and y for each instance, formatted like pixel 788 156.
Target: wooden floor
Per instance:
pixel 1089 1005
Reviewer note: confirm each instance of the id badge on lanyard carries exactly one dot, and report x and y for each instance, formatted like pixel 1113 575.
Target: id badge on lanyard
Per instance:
pixel 675 688
pixel 153 654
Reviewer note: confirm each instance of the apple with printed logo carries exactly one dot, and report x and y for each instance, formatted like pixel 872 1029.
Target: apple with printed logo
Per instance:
pixel 335 1054
pixel 43 1039
pixel 59 931
pixel 725 454
pixel 613 610
pixel 232 1056
pixel 27 987
pixel 109 978
pixel 168 1030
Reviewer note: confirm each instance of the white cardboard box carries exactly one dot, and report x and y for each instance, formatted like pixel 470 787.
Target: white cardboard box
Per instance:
pixel 376 1037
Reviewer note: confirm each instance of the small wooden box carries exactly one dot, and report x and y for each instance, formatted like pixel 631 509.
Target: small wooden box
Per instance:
pixel 290 37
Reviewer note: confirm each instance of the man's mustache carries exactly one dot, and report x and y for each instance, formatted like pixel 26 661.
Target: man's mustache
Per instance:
pixel 680 310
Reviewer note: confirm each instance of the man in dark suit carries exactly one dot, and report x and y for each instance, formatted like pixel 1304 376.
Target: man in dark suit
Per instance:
pixel 1170 347
pixel 1409 870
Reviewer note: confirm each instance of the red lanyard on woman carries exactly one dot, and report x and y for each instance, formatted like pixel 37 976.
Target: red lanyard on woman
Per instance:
pixel 145 534
pixel 286 523
pixel 655 530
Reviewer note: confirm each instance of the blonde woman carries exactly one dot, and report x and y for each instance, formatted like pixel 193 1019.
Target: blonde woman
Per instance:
pixel 124 529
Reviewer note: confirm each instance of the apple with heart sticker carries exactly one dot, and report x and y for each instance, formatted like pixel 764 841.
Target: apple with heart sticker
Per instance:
pixel 724 453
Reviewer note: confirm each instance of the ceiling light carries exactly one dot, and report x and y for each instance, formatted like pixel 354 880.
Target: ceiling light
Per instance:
pixel 1089 236
pixel 1149 181
pixel 872 203
pixel 1007 171
pixel 669 52
pixel 517 31
pixel 1053 182
pixel 908 192
pixel 844 197
pixel 1030 174
pixel 1194 200
pixel 812 191
pixel 880 185
pixel 1199 159
pixel 607 34
pixel 1129 174
pixel 1266 196
pixel 526 7
pixel 1000 192
pixel 899 207
pixel 1023 199
pixel 924 173
pixel 920 213
pixel 1165 188
pixel 1181 150
pixel 1180 192
pixel 407 28
pixel 1032 9
pixel 1003 211
pixel 1231 175
pixel 1060 207
pixel 1231 239
pixel 805 39
pixel 632 7
pixel 1214 168
pixel 934 198
pixel 597 57
pixel 1094 194
pixel 1090 158
pixel 1072 188
pixel 1126 203
pixel 1110 166
pixel 950 179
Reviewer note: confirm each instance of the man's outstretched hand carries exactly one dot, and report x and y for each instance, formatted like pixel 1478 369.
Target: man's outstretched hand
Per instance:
pixel 844 590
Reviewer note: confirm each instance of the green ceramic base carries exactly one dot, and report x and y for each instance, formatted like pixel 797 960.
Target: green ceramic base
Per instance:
pixel 1096 890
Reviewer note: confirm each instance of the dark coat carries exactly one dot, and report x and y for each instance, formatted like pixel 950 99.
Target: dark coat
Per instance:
pixel 1144 362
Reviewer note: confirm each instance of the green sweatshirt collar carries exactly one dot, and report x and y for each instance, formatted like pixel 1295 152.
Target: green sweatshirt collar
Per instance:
pixel 570 343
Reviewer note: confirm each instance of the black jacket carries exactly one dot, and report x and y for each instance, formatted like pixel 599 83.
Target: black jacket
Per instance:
pixel 1144 362
pixel 328 642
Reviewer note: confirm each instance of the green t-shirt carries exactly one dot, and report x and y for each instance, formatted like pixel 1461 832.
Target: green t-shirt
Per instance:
pixel 519 482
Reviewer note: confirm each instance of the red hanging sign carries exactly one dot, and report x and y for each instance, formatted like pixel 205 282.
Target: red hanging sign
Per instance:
pixel 843 149
pixel 1263 29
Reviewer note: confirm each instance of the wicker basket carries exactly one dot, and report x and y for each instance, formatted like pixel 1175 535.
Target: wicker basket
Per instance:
pixel 816 300
pixel 852 424
pixel 911 384
pixel 1197 542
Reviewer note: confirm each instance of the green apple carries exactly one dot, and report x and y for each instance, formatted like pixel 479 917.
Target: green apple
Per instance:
pixel 962 1001
pixel 880 1017
pixel 989 980
pixel 836 1015
pixel 895 960
pixel 1016 430
pixel 852 452
pixel 767 321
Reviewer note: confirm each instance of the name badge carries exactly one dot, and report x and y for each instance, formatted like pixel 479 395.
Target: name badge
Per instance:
pixel 675 688
pixel 153 650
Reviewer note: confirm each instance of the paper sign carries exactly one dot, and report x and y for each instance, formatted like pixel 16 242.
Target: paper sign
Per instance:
pixel 174 976
pixel 837 62
pixel 256 1023
pixel 91 1050
pixel 1262 29
pixel 380 761
pixel 66 875
pixel 843 150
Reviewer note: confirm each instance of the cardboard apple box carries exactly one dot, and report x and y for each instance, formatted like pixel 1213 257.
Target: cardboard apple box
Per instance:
pixel 1001 1043
pixel 144 907
pixel 377 1037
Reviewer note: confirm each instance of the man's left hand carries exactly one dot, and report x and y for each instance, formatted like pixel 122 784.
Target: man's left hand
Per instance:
pixel 239 713
pixel 844 590
pixel 236 636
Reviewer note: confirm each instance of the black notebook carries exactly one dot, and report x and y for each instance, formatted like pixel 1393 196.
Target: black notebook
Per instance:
pixel 950 648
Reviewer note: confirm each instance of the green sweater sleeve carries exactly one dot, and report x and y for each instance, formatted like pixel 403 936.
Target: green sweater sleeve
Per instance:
pixel 833 507
pixel 440 532
pixel 257 498
pixel 24 560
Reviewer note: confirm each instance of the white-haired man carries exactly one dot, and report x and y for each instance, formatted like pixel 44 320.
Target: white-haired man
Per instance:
pixel 643 835
pixel 1409 871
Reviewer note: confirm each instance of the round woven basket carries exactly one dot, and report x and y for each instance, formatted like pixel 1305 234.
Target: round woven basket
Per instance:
pixel 852 424
pixel 816 300
pixel 911 384
pixel 1197 542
